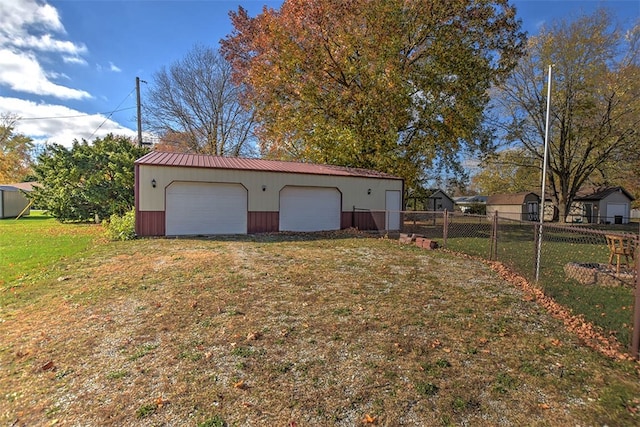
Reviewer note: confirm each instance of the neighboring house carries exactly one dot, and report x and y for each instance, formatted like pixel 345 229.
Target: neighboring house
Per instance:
pixel 190 194
pixel 430 199
pixel 604 205
pixel 468 204
pixel 438 200
pixel 520 206
pixel 13 199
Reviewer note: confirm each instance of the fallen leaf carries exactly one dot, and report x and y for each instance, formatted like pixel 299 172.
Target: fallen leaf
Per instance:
pixel 240 385
pixel 368 419
pixel 49 366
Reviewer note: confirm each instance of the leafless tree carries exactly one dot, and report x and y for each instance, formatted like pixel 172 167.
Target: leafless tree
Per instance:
pixel 196 98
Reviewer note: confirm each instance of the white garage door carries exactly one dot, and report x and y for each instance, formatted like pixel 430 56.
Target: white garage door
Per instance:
pixel 200 208
pixel 309 209
pixel 618 210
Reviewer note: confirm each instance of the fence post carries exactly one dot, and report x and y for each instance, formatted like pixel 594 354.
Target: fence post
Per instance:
pixel 635 333
pixel 493 255
pixel 536 260
pixel 445 229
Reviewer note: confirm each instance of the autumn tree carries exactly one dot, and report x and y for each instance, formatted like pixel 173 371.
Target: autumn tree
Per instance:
pixel 508 171
pixel 595 103
pixel 15 152
pixel 87 179
pixel 196 100
pixel 388 85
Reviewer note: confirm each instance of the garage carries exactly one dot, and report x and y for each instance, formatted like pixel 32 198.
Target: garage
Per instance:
pixel 202 208
pixel 309 209
pixel 185 194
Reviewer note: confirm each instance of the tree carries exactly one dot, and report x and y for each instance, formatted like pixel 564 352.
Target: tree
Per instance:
pixel 595 103
pixel 386 85
pixel 196 99
pixel 508 171
pixel 87 179
pixel 15 152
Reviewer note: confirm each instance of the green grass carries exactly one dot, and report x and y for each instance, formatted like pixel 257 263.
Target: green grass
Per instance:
pixel 38 245
pixel 609 308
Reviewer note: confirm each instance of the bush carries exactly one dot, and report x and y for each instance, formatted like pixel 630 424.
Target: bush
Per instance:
pixel 121 227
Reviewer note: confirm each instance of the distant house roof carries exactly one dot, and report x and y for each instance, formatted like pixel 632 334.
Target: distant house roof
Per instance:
pixel 600 193
pixel 24 186
pixel 467 200
pixel 509 199
pixel 159 158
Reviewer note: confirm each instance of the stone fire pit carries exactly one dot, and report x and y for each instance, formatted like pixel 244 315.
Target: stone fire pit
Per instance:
pixel 598 274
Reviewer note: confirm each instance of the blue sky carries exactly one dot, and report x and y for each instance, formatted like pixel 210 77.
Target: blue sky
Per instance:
pixel 67 66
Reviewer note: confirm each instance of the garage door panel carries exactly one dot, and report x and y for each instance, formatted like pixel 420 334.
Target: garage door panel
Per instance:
pixel 310 209
pixel 194 208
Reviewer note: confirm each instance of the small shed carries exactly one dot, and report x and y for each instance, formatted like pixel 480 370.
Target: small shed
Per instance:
pixel 603 205
pixel 430 199
pixel 194 194
pixel 13 200
pixel 519 206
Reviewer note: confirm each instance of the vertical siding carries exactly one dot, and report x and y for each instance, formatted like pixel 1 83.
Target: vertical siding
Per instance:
pixel 150 223
pixel 364 220
pixel 262 222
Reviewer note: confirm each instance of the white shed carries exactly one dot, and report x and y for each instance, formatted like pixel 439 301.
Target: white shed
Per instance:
pixel 605 205
pixel 191 194
pixel 12 202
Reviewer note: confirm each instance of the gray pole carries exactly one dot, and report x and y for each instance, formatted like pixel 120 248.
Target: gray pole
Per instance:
pixel 139 112
pixel 544 174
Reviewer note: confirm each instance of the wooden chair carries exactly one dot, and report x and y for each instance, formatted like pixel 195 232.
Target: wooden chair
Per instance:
pixel 620 246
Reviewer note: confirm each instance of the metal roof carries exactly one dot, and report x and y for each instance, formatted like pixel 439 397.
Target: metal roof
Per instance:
pixel 160 158
pixel 24 186
pixel 600 193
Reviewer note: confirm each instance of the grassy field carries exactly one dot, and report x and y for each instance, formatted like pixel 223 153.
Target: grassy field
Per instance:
pixel 335 329
pixel 32 244
pixel 608 307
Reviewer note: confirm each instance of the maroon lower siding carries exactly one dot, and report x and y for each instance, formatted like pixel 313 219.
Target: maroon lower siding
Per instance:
pixel 150 223
pixel 262 222
pixel 363 220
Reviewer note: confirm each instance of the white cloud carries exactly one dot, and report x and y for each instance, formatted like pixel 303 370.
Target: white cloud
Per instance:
pixel 23 73
pixel 29 31
pixel 114 68
pixel 46 123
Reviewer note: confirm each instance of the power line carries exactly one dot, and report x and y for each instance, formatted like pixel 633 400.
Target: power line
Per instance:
pixel 110 114
pixel 72 117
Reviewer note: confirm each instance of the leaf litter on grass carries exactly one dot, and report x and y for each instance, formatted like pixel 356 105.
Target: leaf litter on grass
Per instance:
pixel 267 331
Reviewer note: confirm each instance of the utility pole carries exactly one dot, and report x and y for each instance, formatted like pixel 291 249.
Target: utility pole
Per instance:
pixel 139 110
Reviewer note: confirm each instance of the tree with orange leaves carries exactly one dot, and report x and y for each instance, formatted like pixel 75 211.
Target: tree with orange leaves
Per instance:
pixel 390 85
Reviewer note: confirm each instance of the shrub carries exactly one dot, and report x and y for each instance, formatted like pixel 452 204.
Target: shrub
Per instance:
pixel 121 227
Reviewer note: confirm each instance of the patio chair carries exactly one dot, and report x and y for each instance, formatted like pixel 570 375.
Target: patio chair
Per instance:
pixel 620 246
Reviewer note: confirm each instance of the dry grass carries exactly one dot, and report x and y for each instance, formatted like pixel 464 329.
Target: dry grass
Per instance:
pixel 292 331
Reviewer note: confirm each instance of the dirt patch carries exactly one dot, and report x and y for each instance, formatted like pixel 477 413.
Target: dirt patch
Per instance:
pixel 298 330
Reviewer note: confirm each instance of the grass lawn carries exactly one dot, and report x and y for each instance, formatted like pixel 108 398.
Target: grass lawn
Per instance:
pixel 31 245
pixel 291 330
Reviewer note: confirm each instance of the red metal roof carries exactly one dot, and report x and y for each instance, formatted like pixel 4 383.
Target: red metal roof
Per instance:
pixel 160 158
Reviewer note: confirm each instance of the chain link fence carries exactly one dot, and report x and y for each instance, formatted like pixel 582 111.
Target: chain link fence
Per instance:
pixel 589 269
